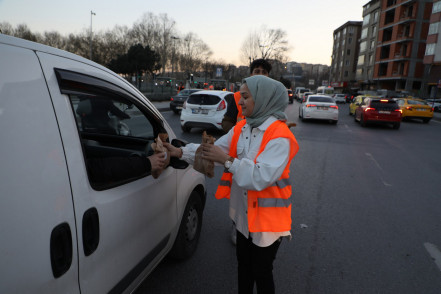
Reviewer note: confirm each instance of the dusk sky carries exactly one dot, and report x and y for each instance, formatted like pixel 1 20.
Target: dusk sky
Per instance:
pixel 222 25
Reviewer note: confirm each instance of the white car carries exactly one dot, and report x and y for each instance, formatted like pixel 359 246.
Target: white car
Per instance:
pixel 340 98
pixel 435 103
pixel 78 211
pixel 205 109
pixel 319 107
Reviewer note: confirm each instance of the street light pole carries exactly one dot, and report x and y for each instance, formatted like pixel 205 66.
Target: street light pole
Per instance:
pixel 174 52
pixel 91 13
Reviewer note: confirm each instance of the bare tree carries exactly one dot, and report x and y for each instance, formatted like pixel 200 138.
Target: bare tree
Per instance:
pixel 54 39
pixel 193 54
pixel 265 43
pixel 6 28
pixel 164 41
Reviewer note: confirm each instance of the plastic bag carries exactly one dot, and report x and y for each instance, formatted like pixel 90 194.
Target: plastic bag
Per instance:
pixel 203 165
pixel 158 147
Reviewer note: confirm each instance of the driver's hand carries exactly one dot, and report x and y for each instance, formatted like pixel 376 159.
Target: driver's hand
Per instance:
pixel 173 151
pixel 157 161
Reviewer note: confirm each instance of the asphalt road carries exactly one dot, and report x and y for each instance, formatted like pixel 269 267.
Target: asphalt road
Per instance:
pixel 366 215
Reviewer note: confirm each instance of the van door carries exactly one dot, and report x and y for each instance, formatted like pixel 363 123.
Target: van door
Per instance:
pixel 125 218
pixel 38 252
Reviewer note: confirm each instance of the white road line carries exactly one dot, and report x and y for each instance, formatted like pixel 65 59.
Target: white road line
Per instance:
pixel 379 167
pixel 373 159
pixel 434 253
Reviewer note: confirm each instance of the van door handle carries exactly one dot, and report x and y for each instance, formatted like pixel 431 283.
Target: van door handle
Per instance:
pixel 91 231
pixel 61 249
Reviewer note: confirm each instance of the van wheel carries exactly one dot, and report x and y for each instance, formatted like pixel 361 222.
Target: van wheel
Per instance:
pixel 189 230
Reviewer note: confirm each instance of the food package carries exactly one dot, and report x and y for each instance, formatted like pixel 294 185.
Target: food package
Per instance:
pixel 158 147
pixel 203 165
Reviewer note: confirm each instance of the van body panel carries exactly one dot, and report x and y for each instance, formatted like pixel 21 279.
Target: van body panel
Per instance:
pixel 127 239
pixel 35 188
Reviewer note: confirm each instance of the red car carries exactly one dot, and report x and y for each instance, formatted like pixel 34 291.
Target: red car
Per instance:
pixel 378 111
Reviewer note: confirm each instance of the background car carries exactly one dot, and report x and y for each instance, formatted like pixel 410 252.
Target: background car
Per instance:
pixel 357 100
pixel 205 109
pixel 319 107
pixel 378 111
pixel 177 101
pixel 435 103
pixel 305 95
pixel 415 108
pixel 290 96
pixel 299 93
pixel 340 98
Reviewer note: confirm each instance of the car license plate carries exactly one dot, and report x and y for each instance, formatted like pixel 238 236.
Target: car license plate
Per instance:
pixel 384 112
pixel 322 107
pixel 199 111
pixel 421 109
pixel 178 107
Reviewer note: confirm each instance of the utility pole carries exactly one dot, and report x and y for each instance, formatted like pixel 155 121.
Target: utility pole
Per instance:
pixel 90 42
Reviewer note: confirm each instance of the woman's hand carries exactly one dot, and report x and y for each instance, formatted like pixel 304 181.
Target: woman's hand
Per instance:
pixel 172 150
pixel 213 153
pixel 157 161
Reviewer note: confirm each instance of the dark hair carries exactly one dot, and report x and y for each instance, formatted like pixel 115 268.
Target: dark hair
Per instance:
pixel 260 63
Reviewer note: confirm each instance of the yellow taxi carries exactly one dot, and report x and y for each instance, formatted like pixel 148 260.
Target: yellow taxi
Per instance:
pixel 415 108
pixel 358 100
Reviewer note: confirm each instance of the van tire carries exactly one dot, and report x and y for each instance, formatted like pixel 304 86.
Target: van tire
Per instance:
pixel 190 228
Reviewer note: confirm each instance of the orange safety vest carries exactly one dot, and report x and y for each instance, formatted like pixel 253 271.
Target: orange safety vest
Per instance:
pixel 239 108
pixel 269 210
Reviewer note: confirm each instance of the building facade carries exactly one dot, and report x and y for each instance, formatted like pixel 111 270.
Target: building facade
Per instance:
pixel 345 55
pixel 402 35
pixel 368 45
pixel 432 56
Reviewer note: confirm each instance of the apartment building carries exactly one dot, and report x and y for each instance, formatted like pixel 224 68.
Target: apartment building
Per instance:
pixel 345 55
pixel 432 56
pixel 402 35
pixel 368 45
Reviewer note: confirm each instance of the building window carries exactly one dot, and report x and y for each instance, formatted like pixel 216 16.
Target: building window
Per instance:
pixel 360 60
pixel 391 2
pixel 347 62
pixel 364 33
pixel 363 46
pixel 372 45
pixel 430 49
pixel 371 58
pixel 374 31
pixel 436 7
pixel 348 52
pixel 359 74
pixel 346 73
pixel 349 40
pixel 375 16
pixel 433 29
pixel 366 19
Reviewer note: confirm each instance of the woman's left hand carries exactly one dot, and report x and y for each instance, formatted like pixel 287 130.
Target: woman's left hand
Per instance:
pixel 213 153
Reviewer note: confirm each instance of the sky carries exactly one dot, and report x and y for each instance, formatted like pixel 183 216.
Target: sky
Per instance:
pixel 223 25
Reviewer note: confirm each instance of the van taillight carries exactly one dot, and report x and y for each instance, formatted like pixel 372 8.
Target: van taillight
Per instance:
pixel 221 106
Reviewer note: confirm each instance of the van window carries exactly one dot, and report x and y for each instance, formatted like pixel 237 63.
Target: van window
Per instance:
pixel 116 131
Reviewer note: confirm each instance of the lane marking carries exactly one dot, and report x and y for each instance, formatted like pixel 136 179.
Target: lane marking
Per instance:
pixel 434 253
pixel 379 167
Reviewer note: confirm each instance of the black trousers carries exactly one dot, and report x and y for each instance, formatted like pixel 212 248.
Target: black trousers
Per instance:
pixel 255 265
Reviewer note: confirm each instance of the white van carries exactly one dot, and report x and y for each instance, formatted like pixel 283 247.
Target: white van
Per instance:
pixel 299 92
pixel 73 219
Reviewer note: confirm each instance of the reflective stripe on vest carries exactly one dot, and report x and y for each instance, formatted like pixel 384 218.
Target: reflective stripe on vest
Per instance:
pixel 273 202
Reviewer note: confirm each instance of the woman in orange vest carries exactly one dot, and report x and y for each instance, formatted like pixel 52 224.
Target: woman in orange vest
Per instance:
pixel 256 154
